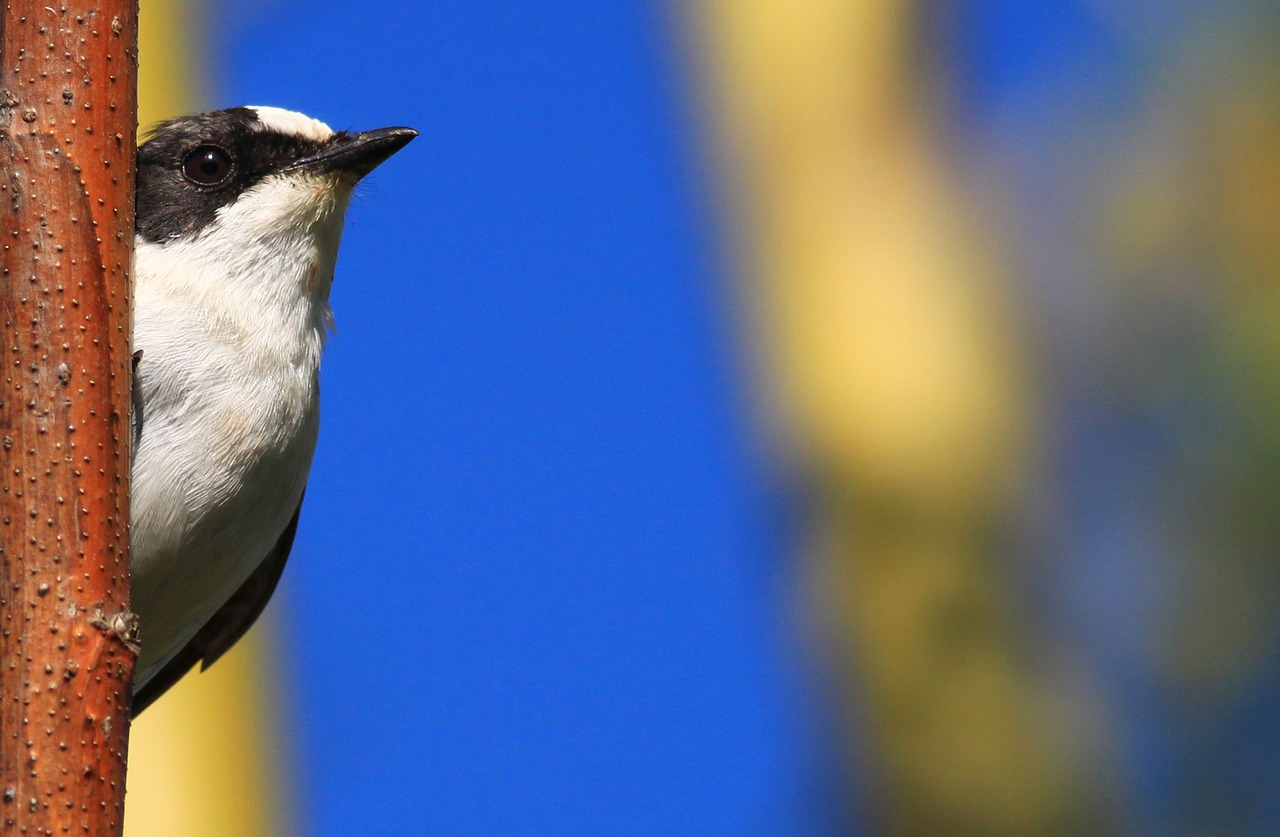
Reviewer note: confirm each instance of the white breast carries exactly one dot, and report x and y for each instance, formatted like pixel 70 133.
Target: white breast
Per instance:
pixel 231 335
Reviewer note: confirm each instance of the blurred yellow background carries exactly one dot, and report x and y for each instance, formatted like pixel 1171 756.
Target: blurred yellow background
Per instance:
pixel 1015 316
pixel 1007 279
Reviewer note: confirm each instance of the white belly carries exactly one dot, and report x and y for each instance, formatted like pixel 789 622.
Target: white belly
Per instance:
pixel 226 443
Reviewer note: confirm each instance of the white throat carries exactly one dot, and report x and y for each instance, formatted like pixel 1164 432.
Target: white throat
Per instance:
pixel 264 267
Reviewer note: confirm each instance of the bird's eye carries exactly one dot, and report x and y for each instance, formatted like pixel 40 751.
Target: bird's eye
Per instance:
pixel 208 165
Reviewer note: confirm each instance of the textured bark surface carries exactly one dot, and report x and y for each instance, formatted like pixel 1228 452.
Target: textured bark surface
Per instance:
pixel 68 105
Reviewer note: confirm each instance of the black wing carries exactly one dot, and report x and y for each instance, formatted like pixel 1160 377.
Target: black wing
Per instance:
pixel 225 627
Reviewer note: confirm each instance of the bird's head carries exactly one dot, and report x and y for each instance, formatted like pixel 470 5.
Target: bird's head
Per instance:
pixel 244 206
pixel 251 172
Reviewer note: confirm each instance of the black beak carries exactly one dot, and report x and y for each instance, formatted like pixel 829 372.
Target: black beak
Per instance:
pixel 357 153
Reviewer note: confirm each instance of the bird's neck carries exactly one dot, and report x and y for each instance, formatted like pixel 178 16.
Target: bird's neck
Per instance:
pixel 270 297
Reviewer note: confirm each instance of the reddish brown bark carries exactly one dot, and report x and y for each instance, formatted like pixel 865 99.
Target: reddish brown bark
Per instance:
pixel 68 112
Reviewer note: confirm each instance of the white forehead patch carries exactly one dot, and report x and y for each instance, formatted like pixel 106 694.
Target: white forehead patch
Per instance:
pixel 291 122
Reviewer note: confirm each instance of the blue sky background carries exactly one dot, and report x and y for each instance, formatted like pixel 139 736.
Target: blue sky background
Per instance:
pixel 544 581
pixel 540 583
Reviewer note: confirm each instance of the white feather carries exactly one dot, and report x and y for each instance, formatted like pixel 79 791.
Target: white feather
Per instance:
pixel 291 122
pixel 231 324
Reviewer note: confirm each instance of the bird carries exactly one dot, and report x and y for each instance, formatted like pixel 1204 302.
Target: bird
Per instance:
pixel 238 217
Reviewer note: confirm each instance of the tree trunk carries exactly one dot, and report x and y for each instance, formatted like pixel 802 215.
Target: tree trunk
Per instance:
pixel 68 116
